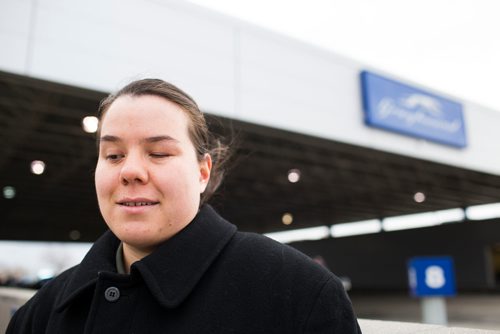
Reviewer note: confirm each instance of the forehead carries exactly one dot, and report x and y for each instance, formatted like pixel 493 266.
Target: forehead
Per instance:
pixel 144 114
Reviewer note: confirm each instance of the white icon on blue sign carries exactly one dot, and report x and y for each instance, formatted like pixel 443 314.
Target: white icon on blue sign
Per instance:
pixel 431 276
pixel 435 277
pixel 397 107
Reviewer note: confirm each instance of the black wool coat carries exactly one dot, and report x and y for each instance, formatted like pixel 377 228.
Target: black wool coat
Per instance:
pixel 208 278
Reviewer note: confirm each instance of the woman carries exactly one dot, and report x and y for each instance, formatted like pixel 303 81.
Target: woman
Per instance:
pixel 169 263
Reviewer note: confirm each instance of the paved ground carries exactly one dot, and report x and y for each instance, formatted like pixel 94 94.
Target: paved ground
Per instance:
pixel 480 311
pixel 393 327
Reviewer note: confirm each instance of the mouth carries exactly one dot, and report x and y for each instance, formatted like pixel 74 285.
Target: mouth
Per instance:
pixel 137 203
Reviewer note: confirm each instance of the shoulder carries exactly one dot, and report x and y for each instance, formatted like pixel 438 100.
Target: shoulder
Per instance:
pixel 315 293
pixel 261 258
pixel 331 311
pixel 259 248
pixel 36 312
pixel 248 241
pixel 55 285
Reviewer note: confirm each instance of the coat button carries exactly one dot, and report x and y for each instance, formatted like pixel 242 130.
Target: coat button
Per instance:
pixel 112 294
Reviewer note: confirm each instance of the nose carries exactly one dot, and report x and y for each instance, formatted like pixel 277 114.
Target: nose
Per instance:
pixel 134 170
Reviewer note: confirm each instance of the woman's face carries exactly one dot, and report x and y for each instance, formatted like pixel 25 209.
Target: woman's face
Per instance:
pixel 148 178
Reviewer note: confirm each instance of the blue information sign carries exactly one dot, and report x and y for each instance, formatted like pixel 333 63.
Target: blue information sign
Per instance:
pixel 394 106
pixel 431 276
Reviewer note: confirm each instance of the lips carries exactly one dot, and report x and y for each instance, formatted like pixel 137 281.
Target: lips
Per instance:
pixel 137 202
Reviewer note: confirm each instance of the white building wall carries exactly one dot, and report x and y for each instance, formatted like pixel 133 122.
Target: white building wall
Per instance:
pixel 231 68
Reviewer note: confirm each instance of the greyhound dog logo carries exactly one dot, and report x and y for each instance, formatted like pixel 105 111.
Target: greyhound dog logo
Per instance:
pixel 422 103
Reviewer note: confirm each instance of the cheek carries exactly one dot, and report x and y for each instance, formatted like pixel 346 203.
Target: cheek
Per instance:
pixel 181 179
pixel 171 182
pixel 102 179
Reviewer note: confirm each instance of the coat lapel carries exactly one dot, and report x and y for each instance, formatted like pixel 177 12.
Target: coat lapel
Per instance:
pixel 171 272
pixel 100 258
pixel 174 269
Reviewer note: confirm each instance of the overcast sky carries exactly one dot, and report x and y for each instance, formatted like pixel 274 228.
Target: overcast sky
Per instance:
pixel 452 46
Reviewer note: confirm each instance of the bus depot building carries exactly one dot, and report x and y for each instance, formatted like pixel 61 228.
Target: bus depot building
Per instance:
pixel 360 169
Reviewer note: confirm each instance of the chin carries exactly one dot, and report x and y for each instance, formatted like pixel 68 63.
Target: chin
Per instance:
pixel 138 235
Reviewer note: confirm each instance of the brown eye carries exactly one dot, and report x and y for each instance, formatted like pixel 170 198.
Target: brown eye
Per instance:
pixel 114 157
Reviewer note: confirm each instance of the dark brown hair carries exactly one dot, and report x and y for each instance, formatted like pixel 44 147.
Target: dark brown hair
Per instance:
pixel 203 140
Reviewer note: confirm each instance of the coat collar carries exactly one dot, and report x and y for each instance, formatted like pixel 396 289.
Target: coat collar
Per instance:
pixel 170 273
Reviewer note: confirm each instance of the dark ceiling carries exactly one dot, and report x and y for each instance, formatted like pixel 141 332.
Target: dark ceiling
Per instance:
pixel 40 120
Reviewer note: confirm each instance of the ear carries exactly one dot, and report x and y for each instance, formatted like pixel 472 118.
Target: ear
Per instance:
pixel 205 169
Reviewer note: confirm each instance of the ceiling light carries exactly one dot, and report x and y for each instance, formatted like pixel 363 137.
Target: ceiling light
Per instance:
pixel 356 228
pixel 482 212
pixel 9 192
pixel 74 235
pixel 405 222
pixel 450 215
pixel 425 219
pixel 37 167
pixel 90 124
pixel 287 218
pixel 312 233
pixel 419 197
pixel 294 175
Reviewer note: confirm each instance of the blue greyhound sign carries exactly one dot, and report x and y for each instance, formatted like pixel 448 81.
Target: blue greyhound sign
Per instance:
pixel 394 106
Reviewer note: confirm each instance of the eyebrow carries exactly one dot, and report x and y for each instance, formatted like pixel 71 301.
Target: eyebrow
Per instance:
pixel 154 139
